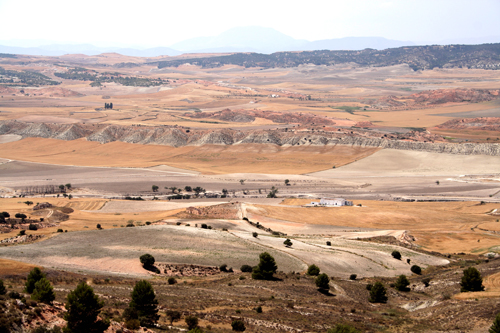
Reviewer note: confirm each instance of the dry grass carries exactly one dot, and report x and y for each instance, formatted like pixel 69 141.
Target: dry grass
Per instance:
pixel 209 159
pixel 442 227
pixel 11 267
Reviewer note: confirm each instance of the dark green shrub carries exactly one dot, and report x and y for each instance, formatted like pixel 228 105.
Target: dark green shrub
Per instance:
pixel 191 322
pixel 223 268
pixel 172 280
pixel 313 270
pixel 254 234
pixel 133 324
pixel 238 325
pixel 246 268
pixel 353 277
pixel 32 227
pixel 426 281
pixel 3 291
pixel 342 328
pixel 258 309
pixel 416 269
pixel 402 283
pixel 147 260
pixel 21 232
pixel 495 327
pixel 173 316
pixel 369 286
pixel 396 255
pixel 329 243
pixel 14 295
pixel 288 242
pixel 98 226
pixel 323 281
pixel 59 230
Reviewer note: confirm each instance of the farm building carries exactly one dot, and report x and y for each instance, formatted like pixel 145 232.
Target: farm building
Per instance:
pixel 336 202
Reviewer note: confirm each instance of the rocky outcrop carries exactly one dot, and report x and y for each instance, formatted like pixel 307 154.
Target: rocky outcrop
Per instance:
pixel 176 136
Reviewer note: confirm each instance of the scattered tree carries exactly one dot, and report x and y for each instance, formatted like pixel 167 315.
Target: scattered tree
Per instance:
pixel 272 193
pixel 173 316
pixel 83 307
pixel 32 227
pixel 155 188
pixel 328 243
pixel 288 242
pixel 21 216
pixel 44 292
pixel 145 303
pixel 313 270
pixel 147 260
pixel 402 283
pixel 188 188
pixel 238 325
pixel 471 280
pixel 242 181
pixel 28 203
pixel 416 269
pixel 495 327
pixel 191 322
pixel 353 277
pixel 68 186
pixel 172 280
pixel 98 226
pixel 323 282
pixel 378 293
pixel 254 234
pixel 223 268
pixel 396 255
pixel 34 276
pixel 287 182
pixel 266 267
pixel 426 282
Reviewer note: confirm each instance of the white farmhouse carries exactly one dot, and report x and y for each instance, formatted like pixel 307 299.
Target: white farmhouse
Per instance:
pixel 336 202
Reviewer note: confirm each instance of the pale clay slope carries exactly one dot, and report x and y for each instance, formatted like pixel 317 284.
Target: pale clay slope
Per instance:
pixel 391 162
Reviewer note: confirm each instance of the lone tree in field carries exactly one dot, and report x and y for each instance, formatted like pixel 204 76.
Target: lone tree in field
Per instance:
pixel 173 316
pixel 242 181
pixel 471 280
pixel 402 283
pixel 416 269
pixel 68 186
pixel 323 282
pixel 191 322
pixel 147 260
pixel 83 307
pixel 495 327
pixel 378 293
pixel 266 267
pixel 44 292
pixel 287 182
pixel 145 303
pixel 155 188
pixel 34 276
pixel 288 242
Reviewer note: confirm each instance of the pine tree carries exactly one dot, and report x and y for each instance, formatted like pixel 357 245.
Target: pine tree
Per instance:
pixel 471 280
pixel 378 293
pixel 83 308
pixel 145 303
pixel 402 283
pixel 33 277
pixel 495 328
pixel 266 267
pixel 44 292
pixel 323 282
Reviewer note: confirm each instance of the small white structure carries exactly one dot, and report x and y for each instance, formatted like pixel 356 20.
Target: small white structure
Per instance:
pixel 336 202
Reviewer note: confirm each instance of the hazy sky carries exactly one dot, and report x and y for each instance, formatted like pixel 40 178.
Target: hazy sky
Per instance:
pixel 164 22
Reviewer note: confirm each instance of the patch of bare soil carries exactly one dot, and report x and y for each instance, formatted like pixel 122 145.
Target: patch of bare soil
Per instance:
pixel 436 97
pixel 225 211
pixel 478 124
pixel 186 270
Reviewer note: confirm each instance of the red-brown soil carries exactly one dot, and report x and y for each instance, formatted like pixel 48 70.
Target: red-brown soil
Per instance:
pixel 479 124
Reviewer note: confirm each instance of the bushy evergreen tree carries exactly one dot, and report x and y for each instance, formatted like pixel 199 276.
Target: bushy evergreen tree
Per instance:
pixel 313 270
pixel 266 267
pixel 83 307
pixel 34 276
pixel 323 282
pixel 402 283
pixel 44 292
pixel 378 293
pixel 145 303
pixel 495 327
pixel 471 280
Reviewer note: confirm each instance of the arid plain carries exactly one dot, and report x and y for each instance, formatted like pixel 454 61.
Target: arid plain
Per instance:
pixel 382 137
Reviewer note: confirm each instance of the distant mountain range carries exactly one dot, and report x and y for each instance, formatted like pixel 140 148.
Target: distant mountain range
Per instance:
pixel 240 39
